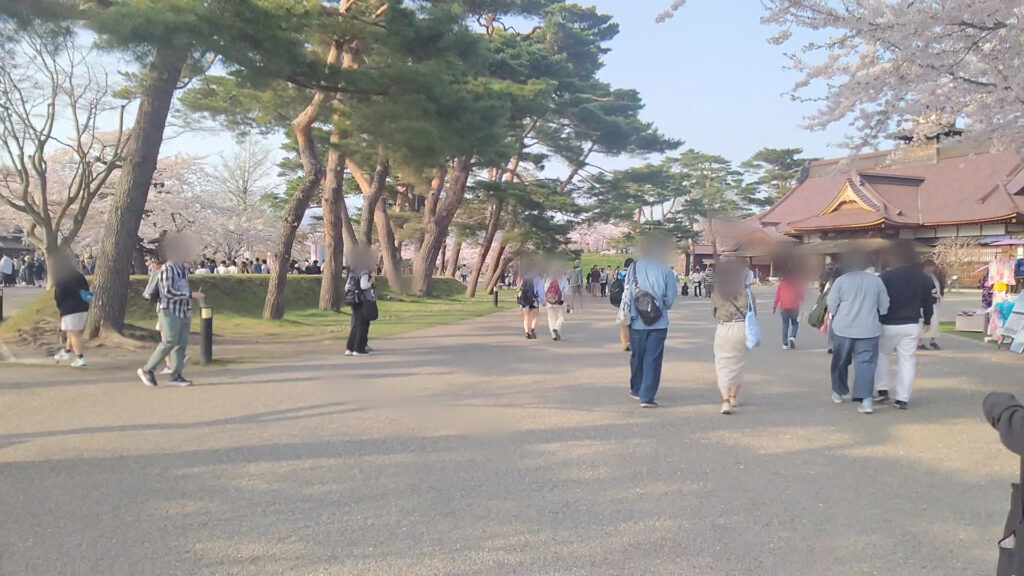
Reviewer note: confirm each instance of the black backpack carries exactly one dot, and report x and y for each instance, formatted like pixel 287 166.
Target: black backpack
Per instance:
pixel 645 304
pixel 615 290
pixel 528 297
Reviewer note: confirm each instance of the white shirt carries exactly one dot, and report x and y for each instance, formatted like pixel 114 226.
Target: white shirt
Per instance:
pixel 232 270
pixel 201 271
pixel 749 281
pixel 222 270
pixel 6 265
pixel 695 277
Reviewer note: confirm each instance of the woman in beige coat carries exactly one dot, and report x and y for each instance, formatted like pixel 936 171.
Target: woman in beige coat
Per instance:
pixel 729 305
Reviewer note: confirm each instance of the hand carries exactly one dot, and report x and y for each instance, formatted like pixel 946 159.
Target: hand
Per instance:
pixel 198 294
pixel 927 325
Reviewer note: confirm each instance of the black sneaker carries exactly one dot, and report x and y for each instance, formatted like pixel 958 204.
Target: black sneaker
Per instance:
pixel 147 377
pixel 935 346
pixel 829 351
pixel 883 397
pixel 650 404
pixel 634 396
pixel 922 347
pixel 529 336
pixel 902 405
pixel 533 334
pixel 180 381
pixel 555 335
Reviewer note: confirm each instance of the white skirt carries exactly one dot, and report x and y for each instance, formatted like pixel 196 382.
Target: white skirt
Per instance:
pixel 74 322
pixel 933 330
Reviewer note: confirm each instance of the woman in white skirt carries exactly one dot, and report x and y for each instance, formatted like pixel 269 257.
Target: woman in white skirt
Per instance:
pixel 729 305
pixel 930 333
pixel 71 294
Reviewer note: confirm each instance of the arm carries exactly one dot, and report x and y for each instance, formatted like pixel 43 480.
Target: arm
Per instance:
pixel 775 304
pixel 672 286
pixel 883 298
pixel 927 303
pixel 834 297
pixel 1006 414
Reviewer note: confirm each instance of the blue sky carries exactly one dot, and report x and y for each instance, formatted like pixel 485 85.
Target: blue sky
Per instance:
pixel 708 77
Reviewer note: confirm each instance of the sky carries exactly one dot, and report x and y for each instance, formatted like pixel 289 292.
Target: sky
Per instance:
pixel 708 76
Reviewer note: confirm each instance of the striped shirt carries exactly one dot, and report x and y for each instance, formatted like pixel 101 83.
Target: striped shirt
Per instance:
pixel 170 284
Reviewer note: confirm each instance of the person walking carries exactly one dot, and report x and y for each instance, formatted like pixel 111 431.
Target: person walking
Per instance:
pixel 937 292
pixel 1006 414
pixel 530 290
pixel 616 293
pixel 910 299
pixel 556 286
pixel 651 290
pixel 788 296
pixel 696 281
pixel 7 271
pixel 709 280
pixel 857 300
pixel 72 296
pixel 575 288
pixel 594 281
pixel 603 280
pixel 729 305
pixel 170 290
pixel 362 301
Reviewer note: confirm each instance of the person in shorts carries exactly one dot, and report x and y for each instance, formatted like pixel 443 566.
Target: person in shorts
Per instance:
pixel 72 296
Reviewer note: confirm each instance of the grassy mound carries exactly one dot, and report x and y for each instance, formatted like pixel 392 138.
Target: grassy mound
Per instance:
pixel 237 302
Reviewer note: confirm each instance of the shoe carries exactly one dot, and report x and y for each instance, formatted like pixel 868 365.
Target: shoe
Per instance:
pixel 792 343
pixel 935 346
pixel 555 335
pixel 882 397
pixel 147 377
pixel 62 355
pixel 166 370
pixel 726 408
pixel 180 382
pixel 836 398
pixel 529 336
pixel 734 402
pixel 649 404
pixel 785 346
pixel 348 352
pixel 359 353
pixel 78 362
pixel 634 396
pixel 922 347
pixel 867 406
pixel 829 351
pixel 627 349
pixel 901 405
pixel 533 334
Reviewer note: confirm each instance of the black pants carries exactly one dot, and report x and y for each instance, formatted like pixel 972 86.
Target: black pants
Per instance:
pixel 696 289
pixel 359 331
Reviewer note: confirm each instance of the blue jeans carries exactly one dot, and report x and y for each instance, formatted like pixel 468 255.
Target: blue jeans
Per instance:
pixel 863 353
pixel 648 350
pixel 789 318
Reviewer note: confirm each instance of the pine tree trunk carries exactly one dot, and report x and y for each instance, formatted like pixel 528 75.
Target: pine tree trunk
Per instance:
pixel 453 260
pixel 372 191
pixel 273 307
pixel 332 284
pixel 388 249
pixel 437 221
pixel 493 221
pixel 110 285
pixel 507 254
pixel 443 264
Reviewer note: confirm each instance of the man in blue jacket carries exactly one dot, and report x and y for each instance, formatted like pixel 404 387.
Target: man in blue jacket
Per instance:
pixel 651 287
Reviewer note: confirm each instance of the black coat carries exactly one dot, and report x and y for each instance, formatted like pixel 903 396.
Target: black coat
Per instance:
pixel 1006 414
pixel 68 294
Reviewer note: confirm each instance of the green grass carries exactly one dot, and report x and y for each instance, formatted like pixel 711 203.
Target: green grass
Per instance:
pixel 612 261
pixel 950 327
pixel 237 302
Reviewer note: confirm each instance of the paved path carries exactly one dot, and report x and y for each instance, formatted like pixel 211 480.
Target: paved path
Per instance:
pixel 17 297
pixel 466 450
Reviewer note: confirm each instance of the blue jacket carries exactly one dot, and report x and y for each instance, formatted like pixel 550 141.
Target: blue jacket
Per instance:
pixel 660 281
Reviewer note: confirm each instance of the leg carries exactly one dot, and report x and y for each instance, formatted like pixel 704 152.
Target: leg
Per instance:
pixel 363 335
pixel 165 345
pixel 794 322
pixel 886 346
pixel 181 327
pixel 353 332
pixel 842 354
pixel 534 317
pixel 75 341
pixel 906 350
pixel 785 327
pixel 636 360
pixel 654 354
pixel 526 320
pixel 865 362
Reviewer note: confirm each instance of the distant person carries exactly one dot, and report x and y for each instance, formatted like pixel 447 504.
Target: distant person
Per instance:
pixel 362 300
pixel 696 281
pixel 28 276
pixel 530 291
pixel 910 299
pixel 857 300
pixel 603 281
pixel 233 267
pixel 90 265
pixel 257 267
pixel 556 286
pixel 651 289
pixel 7 271
pixel 729 305
pixel 72 296
pixel 709 280
pixel 575 288
pixel 930 332
pixel 170 291
pixel 223 268
pixel 313 268
pixel 788 296
pixel 266 267
pixel 616 291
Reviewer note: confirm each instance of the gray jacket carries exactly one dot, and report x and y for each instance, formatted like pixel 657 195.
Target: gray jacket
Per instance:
pixel 1006 414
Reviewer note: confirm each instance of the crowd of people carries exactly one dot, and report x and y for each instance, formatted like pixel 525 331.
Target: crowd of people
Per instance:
pixel 27 271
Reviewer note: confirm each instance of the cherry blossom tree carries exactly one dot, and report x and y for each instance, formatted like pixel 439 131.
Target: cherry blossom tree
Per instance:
pixel 912 67
pixel 55 160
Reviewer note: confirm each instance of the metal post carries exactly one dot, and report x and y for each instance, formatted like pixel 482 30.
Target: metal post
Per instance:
pixel 495 296
pixel 206 335
pixel 1 304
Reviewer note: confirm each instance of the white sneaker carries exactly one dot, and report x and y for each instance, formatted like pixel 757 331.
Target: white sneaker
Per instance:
pixel 78 362
pixel 785 346
pixel 726 407
pixel 166 370
pixel 836 398
pixel 348 352
pixel 62 355
pixel 867 406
